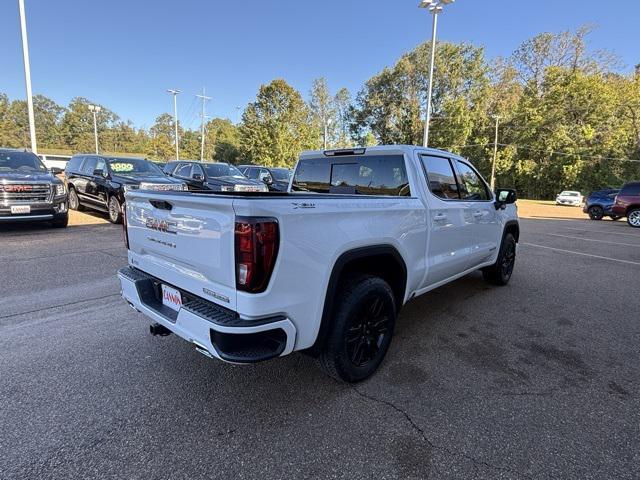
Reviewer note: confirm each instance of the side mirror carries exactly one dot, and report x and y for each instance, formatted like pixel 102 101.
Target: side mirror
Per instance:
pixel 56 170
pixel 98 172
pixel 268 179
pixel 505 196
pixel 198 177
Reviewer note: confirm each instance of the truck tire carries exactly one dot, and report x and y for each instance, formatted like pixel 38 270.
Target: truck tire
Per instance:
pixel 74 201
pixel 115 210
pixel 364 318
pixel 60 221
pixel 500 272
pixel 596 212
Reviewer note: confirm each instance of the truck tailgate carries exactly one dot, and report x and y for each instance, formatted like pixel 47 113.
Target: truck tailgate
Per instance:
pixel 186 240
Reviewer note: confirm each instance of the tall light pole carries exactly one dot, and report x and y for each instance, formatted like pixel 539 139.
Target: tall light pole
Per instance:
pixel 495 155
pixel 202 117
pixel 327 122
pixel 175 93
pixel 27 76
pixel 95 109
pixel 435 7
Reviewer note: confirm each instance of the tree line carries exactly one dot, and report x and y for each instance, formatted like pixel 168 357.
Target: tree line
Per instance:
pixel 566 117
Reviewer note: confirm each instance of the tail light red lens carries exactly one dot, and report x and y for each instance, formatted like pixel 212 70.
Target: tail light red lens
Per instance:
pixel 125 232
pixel 257 240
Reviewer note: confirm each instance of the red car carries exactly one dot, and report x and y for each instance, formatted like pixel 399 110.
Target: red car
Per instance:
pixel 628 204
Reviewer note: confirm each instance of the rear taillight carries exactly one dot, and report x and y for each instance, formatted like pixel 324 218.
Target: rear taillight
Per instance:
pixel 256 244
pixel 125 233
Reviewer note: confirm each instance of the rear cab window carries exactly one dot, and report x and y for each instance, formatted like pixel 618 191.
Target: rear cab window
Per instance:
pixel 384 175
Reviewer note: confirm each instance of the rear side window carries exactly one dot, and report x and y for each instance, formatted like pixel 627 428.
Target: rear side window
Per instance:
pixel 631 190
pixel 362 175
pixel 441 178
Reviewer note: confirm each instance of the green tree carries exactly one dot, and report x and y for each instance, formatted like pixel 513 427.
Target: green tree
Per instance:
pixel 276 127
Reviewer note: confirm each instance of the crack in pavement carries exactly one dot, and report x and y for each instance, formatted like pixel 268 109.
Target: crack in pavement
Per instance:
pixel 58 306
pixel 476 462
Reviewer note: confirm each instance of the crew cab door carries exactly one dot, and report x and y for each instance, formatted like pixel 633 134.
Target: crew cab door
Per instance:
pixel 486 230
pixel 450 223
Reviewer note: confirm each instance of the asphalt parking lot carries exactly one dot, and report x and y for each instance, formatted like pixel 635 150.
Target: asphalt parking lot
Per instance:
pixel 538 379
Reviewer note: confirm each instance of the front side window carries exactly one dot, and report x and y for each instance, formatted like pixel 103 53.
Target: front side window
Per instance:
pixel 472 186
pixel 183 170
pixel 362 175
pixel 89 165
pixel 197 170
pixel 440 176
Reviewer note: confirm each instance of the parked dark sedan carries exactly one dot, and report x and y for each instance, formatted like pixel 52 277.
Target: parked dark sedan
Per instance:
pixel 28 191
pixel 277 179
pixel 220 177
pixel 598 204
pixel 99 182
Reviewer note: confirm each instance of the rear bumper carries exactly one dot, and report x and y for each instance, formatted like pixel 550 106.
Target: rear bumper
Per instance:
pixel 214 330
pixel 618 210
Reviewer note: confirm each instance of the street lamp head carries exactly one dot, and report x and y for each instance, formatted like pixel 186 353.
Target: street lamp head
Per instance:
pixel 426 3
pixel 447 2
pixel 91 108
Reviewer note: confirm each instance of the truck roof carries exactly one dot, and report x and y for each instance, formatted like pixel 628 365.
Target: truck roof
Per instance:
pixel 384 149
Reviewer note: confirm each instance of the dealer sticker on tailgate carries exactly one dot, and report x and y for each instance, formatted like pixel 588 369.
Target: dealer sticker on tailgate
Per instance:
pixel 171 298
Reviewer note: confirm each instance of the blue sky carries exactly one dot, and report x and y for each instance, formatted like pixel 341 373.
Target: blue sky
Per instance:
pixel 126 53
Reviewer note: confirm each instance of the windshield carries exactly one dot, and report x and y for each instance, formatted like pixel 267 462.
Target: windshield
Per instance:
pixel 133 166
pixel 570 194
pixel 21 162
pixel 216 170
pixel 281 174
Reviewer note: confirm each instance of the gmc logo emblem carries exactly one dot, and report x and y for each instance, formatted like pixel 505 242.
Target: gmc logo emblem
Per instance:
pixel 17 188
pixel 160 225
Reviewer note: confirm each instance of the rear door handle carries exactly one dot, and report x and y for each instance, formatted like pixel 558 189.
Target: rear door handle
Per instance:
pixel 438 217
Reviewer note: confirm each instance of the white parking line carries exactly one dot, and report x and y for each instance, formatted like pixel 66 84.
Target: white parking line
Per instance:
pixel 593 240
pixel 629 262
pixel 601 231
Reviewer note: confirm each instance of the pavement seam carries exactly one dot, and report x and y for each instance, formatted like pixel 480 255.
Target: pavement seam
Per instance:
pixel 417 428
pixel 58 306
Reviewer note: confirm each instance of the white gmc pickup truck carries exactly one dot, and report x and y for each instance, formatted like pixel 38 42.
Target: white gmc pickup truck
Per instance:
pixel 323 268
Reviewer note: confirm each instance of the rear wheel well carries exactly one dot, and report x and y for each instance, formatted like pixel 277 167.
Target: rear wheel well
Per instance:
pixel 378 261
pixel 630 208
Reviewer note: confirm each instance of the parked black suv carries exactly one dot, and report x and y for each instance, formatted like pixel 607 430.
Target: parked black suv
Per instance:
pixel 220 177
pixel 99 182
pixel 277 179
pixel 30 192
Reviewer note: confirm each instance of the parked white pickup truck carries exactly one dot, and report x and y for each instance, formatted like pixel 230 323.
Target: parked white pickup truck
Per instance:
pixel 323 268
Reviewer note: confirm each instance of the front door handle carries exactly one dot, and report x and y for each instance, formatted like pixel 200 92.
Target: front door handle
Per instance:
pixel 438 217
pixel 477 214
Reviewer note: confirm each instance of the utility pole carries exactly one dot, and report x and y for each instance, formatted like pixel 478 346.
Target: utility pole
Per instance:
pixel 175 93
pixel 327 122
pixel 95 109
pixel 27 76
pixel 435 7
pixel 495 155
pixel 202 117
